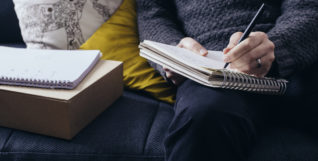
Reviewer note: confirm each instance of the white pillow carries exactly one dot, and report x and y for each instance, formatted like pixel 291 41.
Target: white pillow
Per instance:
pixel 61 24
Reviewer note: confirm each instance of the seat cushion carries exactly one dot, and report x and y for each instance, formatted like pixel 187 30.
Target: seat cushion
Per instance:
pixel 131 129
pixel 9 28
pixel 285 144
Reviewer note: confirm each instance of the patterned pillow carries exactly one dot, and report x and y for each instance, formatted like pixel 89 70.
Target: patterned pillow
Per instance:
pixel 61 24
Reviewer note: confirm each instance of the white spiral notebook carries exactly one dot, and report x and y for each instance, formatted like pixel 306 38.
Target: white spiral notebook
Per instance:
pixel 45 68
pixel 208 70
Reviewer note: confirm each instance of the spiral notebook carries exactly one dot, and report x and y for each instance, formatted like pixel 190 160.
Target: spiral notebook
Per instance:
pixel 208 70
pixel 45 68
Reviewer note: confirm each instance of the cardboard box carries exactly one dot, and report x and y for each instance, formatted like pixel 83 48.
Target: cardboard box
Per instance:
pixel 61 113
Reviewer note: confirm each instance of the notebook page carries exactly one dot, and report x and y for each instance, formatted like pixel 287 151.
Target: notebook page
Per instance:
pixel 214 59
pixel 48 65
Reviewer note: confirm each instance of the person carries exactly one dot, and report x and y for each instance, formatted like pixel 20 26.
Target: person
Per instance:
pixel 217 124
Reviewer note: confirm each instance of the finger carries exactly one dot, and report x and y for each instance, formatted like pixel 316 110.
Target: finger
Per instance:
pixel 250 56
pixel 165 69
pixel 254 69
pixel 177 80
pixel 171 75
pixel 193 45
pixel 266 63
pixel 248 44
pixel 226 50
pixel 234 40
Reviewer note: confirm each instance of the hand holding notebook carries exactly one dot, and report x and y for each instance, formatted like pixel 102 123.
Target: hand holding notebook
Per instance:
pixel 208 70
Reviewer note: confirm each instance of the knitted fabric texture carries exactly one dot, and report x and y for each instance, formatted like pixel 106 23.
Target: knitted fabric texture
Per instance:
pixel 291 24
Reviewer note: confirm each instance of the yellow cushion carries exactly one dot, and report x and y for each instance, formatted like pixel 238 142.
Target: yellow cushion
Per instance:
pixel 118 40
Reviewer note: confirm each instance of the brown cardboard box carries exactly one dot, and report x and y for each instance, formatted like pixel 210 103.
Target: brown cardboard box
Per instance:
pixel 62 113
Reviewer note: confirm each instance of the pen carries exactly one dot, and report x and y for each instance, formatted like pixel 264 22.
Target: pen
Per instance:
pixel 250 26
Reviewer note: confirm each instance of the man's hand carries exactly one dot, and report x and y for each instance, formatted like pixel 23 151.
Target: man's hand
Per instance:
pixel 190 44
pixel 243 56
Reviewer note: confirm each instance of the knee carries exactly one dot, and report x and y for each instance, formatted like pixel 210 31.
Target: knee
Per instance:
pixel 206 109
pixel 212 109
pixel 206 117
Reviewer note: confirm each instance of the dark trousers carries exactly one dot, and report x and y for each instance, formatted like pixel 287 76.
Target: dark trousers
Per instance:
pixel 218 125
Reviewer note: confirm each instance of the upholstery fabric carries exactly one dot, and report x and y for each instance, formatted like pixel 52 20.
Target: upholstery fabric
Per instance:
pixel 118 40
pixel 9 28
pixel 285 144
pixel 60 24
pixel 4 135
pixel 132 129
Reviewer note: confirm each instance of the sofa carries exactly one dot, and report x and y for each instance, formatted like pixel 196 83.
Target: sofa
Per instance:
pixel 133 128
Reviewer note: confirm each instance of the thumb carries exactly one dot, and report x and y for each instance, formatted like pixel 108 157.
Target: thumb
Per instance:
pixel 193 45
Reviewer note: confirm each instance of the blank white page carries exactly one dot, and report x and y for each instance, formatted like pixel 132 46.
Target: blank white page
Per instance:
pixel 32 65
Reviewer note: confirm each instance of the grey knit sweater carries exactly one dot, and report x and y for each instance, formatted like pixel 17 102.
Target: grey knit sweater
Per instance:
pixel 291 24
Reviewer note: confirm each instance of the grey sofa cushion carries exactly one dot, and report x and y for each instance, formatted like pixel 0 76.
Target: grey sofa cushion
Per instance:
pixel 132 129
pixel 286 144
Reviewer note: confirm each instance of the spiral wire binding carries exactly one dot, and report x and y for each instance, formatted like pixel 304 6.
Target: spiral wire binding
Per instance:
pixel 244 82
pixel 35 82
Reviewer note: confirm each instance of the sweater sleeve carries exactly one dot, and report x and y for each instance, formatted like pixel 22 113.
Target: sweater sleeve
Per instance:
pixel 295 36
pixel 158 21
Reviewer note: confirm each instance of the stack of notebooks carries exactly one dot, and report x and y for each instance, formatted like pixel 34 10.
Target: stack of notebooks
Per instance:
pixel 45 68
pixel 208 70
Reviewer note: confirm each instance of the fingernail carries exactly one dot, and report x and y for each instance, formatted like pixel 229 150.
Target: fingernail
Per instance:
pixel 226 50
pixel 226 59
pixel 203 52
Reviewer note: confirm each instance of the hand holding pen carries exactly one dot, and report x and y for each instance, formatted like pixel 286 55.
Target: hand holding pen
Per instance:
pixel 250 52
